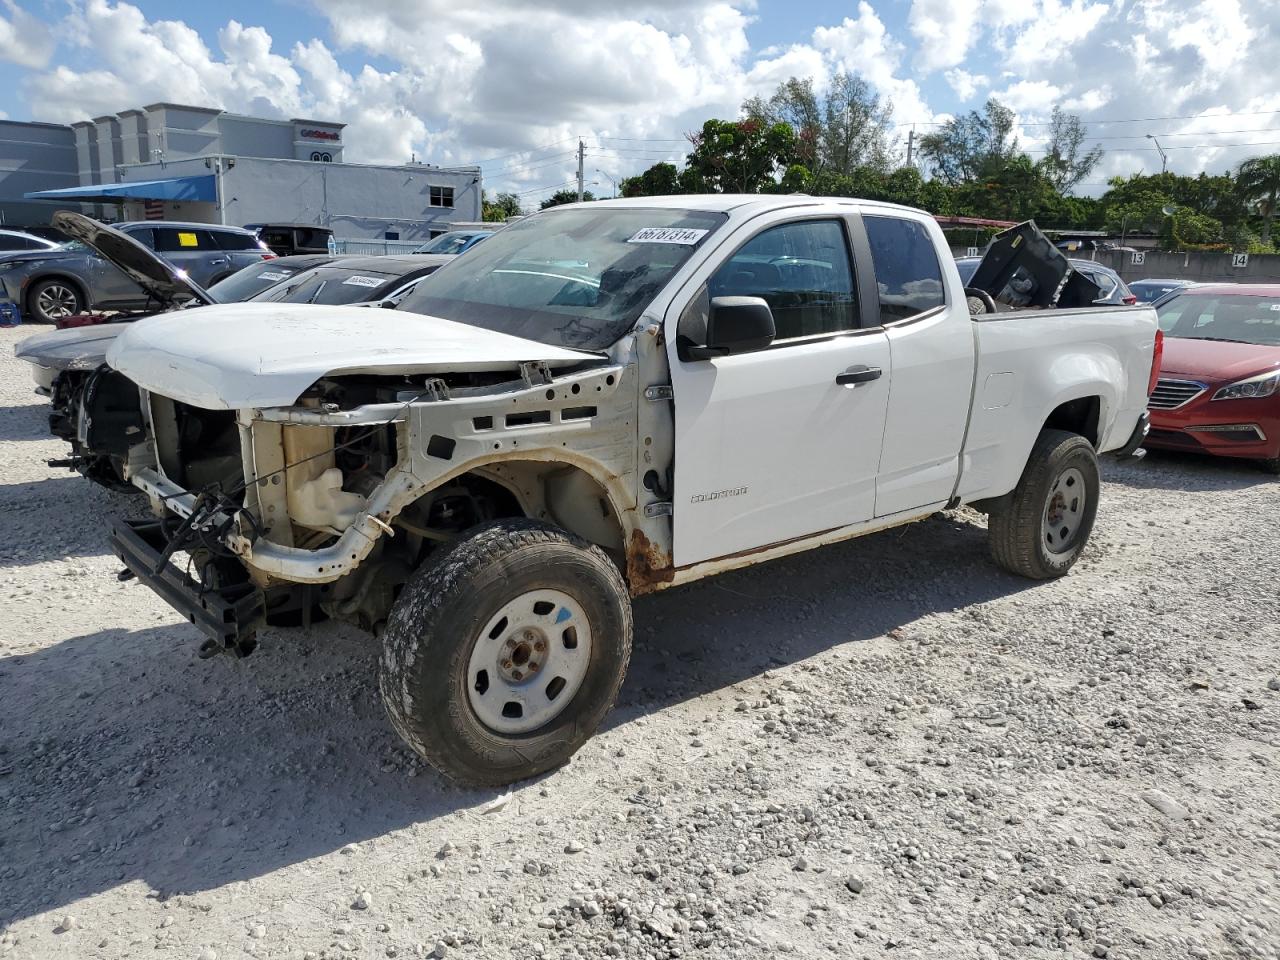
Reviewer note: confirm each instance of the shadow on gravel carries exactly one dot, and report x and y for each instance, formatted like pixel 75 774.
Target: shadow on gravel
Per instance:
pixel 1192 472
pixel 26 422
pixel 81 514
pixel 727 629
pixel 131 760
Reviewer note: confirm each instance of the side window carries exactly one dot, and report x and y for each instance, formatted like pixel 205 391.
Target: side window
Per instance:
pixel 907 272
pixel 179 240
pixel 227 240
pixel 144 235
pixel 802 271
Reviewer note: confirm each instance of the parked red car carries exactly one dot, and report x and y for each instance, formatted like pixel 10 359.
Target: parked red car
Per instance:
pixel 1218 390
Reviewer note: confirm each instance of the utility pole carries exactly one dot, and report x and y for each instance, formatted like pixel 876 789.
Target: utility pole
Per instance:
pixel 581 153
pixel 911 146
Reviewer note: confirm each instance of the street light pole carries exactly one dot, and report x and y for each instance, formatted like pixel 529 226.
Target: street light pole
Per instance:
pixel 1164 157
pixel 612 181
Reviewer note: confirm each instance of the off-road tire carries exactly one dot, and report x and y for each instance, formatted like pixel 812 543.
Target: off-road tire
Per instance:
pixel 1015 529
pixel 435 625
pixel 71 294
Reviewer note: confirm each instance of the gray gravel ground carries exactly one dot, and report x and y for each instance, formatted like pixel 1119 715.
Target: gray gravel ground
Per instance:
pixel 887 745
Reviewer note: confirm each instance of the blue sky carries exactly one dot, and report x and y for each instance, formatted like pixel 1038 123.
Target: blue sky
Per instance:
pixel 460 83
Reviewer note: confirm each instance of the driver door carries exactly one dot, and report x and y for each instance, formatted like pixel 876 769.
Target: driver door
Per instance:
pixel 769 446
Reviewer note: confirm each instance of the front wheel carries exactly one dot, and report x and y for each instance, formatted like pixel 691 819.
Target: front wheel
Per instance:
pixel 503 655
pixel 51 300
pixel 1042 529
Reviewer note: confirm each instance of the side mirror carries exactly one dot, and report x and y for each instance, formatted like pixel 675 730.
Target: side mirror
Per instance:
pixel 735 325
pixel 388 304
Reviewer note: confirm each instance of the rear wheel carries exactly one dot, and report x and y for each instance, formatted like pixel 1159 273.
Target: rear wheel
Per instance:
pixel 51 300
pixel 501 658
pixel 1043 527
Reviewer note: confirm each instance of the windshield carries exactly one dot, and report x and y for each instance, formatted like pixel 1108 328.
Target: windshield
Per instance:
pixel 570 278
pixel 1148 291
pixel 332 286
pixel 1233 317
pixel 250 281
pixel 446 243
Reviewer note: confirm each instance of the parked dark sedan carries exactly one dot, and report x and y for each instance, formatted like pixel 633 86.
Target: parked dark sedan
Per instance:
pixel 50 284
pixel 356 280
pixel 1152 291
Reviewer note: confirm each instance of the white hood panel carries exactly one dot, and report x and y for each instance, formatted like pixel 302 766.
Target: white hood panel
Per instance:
pixel 240 355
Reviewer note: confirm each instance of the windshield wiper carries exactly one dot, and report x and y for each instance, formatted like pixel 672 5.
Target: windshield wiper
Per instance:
pixel 1217 339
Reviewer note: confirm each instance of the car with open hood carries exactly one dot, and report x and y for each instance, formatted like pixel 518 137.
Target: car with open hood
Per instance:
pixel 1219 386
pixel 49 285
pixel 600 401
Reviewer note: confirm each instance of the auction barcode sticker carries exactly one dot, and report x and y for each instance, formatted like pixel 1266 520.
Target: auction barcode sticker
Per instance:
pixel 685 236
pixel 272 275
pixel 359 281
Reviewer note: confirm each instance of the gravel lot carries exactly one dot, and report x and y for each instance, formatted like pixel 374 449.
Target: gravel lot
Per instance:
pixel 883 745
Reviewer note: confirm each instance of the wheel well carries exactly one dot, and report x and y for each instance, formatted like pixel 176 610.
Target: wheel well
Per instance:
pixel 559 493
pixel 1077 416
pixel 64 278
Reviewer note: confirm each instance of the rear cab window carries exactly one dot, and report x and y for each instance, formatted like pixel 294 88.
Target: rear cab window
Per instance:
pixel 908 274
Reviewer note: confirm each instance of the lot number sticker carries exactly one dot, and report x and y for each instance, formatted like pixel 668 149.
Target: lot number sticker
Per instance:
pixel 1239 260
pixel 358 281
pixel 272 275
pixel 684 236
pixel 187 240
pixel 1138 259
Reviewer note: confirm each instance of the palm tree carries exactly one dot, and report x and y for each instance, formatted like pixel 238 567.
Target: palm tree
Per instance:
pixel 1259 182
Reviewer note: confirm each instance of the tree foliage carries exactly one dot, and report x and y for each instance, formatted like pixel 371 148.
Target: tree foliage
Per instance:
pixel 973 145
pixel 1258 183
pixel 500 208
pixel 565 196
pixel 1064 164
pixel 838 131
pixel 739 156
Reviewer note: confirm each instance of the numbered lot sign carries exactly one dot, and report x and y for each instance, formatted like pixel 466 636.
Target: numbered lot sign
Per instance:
pixel 1239 260
pixel 970 251
pixel 1138 259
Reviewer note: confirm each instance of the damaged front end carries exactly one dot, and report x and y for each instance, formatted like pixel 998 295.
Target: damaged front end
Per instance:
pixel 325 508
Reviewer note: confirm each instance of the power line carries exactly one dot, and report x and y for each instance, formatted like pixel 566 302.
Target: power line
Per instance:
pixel 1048 123
pixel 518 153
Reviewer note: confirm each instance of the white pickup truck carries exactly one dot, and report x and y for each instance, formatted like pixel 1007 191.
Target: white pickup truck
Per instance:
pixel 601 401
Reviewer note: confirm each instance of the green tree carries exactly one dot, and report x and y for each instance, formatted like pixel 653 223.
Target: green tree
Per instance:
pixel 660 180
pixel 973 145
pixel 1258 182
pixel 1064 165
pixel 845 128
pixel 499 209
pixel 565 196
pixel 739 156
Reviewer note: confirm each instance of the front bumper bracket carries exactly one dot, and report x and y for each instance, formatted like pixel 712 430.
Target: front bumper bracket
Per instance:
pixel 229 616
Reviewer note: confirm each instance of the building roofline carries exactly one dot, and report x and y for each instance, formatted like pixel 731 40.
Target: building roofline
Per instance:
pixel 130 113
pixel 182 106
pixel 106 117
pixel 40 123
pixel 318 123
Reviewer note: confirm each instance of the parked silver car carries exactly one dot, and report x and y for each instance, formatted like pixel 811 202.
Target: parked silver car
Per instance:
pixel 17 241
pixel 49 284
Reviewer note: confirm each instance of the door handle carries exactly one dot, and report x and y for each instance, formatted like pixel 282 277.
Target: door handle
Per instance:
pixel 859 374
pixel 223 260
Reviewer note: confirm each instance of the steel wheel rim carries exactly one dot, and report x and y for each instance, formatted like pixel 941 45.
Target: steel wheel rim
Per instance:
pixel 56 301
pixel 529 661
pixel 1064 510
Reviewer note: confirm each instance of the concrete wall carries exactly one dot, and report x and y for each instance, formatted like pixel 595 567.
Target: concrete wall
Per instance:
pixel 358 201
pixel 250 137
pixel 181 131
pixel 1200 267
pixel 35 156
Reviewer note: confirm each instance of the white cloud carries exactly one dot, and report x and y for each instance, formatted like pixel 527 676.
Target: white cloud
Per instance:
pixel 945 30
pixel 459 82
pixel 24 39
pixel 966 84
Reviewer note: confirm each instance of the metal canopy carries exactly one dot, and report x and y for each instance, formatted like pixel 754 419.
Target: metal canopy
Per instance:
pixel 199 189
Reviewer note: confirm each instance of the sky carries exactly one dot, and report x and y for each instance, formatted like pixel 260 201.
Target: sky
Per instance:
pixel 513 85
